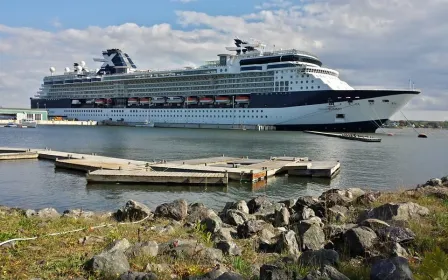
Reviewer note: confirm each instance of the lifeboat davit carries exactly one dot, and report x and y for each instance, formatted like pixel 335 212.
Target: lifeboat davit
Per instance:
pixel 174 100
pixel 242 99
pixel 206 100
pixel 222 99
pixel 192 100
pixel 99 101
pixel 132 101
pixel 144 101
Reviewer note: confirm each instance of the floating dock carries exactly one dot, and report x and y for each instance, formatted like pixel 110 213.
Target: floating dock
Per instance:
pixel 201 171
pixel 157 177
pixel 347 136
pixel 18 155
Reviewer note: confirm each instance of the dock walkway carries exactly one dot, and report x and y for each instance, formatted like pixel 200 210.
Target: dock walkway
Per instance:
pixel 201 171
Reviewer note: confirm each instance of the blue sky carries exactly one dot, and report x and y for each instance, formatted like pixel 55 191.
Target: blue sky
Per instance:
pixel 81 14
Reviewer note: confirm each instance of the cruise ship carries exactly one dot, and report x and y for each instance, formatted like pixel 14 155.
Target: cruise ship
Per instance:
pixel 246 86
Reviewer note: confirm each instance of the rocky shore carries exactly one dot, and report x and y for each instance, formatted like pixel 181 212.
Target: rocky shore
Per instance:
pixel 342 234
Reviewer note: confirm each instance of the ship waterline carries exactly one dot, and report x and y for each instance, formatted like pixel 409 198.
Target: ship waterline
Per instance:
pixel 286 89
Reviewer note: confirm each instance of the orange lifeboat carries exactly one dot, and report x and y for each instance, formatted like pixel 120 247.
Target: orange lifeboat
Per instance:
pixel 242 99
pixel 206 100
pixel 132 101
pixel 144 101
pixel 192 100
pixel 99 101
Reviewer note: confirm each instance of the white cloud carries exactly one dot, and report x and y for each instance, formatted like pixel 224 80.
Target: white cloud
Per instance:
pixel 56 23
pixel 373 43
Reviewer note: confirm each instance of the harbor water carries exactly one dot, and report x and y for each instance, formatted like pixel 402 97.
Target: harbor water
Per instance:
pixel 399 161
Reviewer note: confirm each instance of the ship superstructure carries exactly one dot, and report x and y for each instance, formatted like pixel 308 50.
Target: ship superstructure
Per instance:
pixel 288 89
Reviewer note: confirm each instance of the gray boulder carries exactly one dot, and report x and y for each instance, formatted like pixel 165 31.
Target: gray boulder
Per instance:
pixel 288 243
pixel 224 234
pixel 281 217
pixel 307 201
pixel 112 261
pixel 359 241
pixel 444 179
pixel 374 224
pixel 47 213
pixel 398 212
pixel 252 227
pixel 177 210
pixel 30 213
pixel 212 224
pixel 434 182
pixel 274 272
pixel 396 268
pixel 120 245
pixel 228 248
pixel 186 248
pixel 133 211
pixel 148 248
pixel 399 251
pixel 310 235
pixel 367 198
pixel 337 213
pixel 130 275
pixel 239 205
pixel 326 273
pixel 302 213
pixel 319 258
pixel 395 234
pixel 336 197
pixel 289 203
pixel 78 213
pixel 198 212
pixel 234 217
pixel 334 231
pixel 258 203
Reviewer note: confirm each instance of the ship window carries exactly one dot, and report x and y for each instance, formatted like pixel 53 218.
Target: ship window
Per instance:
pixel 340 116
pixel 385 100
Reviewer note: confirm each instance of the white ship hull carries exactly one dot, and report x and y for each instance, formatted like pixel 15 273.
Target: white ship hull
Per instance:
pixel 359 115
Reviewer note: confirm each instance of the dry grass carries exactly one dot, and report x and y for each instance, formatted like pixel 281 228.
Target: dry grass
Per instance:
pixel 62 257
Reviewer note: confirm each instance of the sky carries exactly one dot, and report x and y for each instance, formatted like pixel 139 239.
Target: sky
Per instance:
pixel 374 43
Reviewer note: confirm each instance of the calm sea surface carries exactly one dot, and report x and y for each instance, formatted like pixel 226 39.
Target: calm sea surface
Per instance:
pixel 402 160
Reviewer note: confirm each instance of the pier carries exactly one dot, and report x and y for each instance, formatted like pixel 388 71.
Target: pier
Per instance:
pixel 347 136
pixel 199 171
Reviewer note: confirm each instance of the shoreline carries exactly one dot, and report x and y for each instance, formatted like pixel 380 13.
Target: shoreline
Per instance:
pixel 350 233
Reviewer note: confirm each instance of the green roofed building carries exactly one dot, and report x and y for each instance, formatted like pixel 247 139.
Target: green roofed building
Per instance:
pixel 20 114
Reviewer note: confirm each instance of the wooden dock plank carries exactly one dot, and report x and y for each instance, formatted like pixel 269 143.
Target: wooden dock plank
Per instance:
pixel 203 161
pixel 154 177
pixel 17 156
